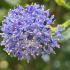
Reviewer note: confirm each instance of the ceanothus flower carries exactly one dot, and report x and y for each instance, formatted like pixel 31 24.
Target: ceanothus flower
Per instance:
pixel 27 32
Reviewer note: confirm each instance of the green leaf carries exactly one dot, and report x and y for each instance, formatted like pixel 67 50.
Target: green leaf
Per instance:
pixel 60 2
pixel 66 34
pixel 2 13
pixel 64 3
pixel 67 4
pixel 66 24
pixel 13 2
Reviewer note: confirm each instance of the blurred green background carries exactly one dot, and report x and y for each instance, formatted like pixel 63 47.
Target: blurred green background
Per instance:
pixel 58 61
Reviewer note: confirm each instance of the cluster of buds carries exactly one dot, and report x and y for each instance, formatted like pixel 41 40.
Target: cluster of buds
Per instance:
pixel 26 32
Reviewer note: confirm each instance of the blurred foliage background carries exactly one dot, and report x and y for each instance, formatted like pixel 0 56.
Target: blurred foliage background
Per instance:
pixel 59 61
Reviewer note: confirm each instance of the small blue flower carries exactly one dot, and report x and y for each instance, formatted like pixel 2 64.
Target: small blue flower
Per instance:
pixel 26 32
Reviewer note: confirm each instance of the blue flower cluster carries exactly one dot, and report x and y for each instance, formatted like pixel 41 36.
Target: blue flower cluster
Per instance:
pixel 27 32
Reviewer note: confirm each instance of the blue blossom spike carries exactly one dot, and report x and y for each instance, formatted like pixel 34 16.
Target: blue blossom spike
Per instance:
pixel 26 32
